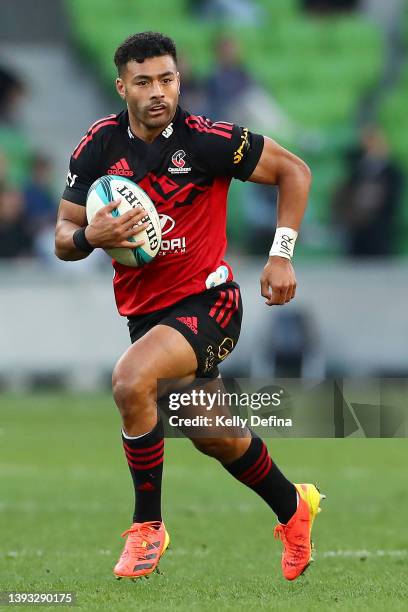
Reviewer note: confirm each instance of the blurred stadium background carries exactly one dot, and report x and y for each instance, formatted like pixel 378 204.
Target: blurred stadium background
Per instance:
pixel 328 79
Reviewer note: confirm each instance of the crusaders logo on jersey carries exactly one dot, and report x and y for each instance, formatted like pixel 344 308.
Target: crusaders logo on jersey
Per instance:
pixel 178 158
pixel 179 164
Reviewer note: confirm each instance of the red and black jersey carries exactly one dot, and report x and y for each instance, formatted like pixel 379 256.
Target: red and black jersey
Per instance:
pixel 186 171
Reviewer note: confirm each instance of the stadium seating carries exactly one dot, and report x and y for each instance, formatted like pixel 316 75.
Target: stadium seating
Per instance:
pixel 395 123
pixel 16 151
pixel 394 120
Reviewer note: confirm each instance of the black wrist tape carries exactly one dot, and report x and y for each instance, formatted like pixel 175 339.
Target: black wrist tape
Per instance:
pixel 81 241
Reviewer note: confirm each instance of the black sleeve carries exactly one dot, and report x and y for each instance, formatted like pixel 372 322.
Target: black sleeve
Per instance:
pixel 82 172
pixel 227 149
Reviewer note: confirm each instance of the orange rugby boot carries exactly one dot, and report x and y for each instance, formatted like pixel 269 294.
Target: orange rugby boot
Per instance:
pixel 296 534
pixel 145 544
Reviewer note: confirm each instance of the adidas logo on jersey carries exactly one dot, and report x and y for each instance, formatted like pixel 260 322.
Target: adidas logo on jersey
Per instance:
pixel 121 168
pixel 191 322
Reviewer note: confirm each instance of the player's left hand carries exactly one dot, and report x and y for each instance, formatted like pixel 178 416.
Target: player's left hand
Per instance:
pixel 278 281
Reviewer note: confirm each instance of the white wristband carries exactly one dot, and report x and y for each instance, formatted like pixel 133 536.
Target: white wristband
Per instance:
pixel 284 242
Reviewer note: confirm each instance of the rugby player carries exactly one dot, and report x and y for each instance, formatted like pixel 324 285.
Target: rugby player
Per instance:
pixel 184 309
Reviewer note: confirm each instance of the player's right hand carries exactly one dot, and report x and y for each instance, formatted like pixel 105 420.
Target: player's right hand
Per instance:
pixel 108 232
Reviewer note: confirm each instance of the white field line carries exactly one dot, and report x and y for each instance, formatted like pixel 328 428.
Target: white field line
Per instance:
pixel 363 553
pixel 181 551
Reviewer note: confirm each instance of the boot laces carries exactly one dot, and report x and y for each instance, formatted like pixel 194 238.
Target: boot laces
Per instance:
pixel 141 535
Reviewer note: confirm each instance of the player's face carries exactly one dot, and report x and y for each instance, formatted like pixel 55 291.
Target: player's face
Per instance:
pixel 151 90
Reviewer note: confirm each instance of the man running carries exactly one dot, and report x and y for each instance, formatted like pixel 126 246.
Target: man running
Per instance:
pixel 184 309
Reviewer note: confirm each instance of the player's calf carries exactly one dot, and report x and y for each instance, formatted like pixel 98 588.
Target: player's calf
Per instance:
pixel 225 449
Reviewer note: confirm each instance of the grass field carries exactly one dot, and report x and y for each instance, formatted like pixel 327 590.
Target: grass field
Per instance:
pixel 66 496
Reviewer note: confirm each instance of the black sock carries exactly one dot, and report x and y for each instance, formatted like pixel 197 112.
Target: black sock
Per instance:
pixel 256 470
pixel 145 459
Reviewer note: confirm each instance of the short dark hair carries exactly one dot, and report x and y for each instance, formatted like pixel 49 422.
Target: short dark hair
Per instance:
pixel 143 45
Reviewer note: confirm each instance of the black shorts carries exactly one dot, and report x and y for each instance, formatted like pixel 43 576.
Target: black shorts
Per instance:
pixel 210 322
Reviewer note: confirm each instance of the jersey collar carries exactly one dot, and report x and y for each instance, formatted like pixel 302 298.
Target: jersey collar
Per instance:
pixel 166 133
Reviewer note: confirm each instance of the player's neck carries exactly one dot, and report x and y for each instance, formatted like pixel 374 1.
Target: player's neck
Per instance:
pixel 142 131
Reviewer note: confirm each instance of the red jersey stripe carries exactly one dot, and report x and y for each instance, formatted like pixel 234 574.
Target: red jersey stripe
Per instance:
pixel 108 118
pixel 198 124
pixel 218 132
pixel 125 164
pixel 222 124
pixel 198 118
pixel 88 138
pixel 201 120
pixel 204 126
pixel 212 124
pixel 225 126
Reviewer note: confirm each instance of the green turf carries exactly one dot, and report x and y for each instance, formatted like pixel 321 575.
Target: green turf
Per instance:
pixel 66 496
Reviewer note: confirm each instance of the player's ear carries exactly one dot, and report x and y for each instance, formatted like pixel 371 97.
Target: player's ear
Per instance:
pixel 178 80
pixel 120 88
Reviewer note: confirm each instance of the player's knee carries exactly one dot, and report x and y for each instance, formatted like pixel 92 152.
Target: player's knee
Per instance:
pixel 219 448
pixel 133 392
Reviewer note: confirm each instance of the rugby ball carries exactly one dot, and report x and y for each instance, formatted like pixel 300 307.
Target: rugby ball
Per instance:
pixel 108 188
